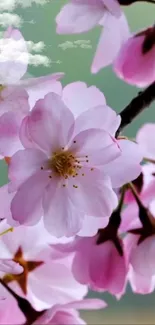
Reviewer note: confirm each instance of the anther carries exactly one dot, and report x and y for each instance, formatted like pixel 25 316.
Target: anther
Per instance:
pixel 41 168
pixel 74 141
pixel 82 174
pixel 64 185
pixel 75 186
pixel 92 169
pixel 86 156
pixel 50 176
pixel 87 160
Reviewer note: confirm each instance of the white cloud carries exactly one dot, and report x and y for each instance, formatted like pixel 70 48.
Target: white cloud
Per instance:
pixel 37 59
pixel 10 5
pixel 7 19
pixel 12 50
pixel 84 44
pixel 35 47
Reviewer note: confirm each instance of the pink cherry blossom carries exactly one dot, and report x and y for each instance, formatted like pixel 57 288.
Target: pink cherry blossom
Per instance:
pixel 79 16
pixel 67 314
pixel 44 281
pixel 90 164
pixel 135 62
pixel 64 167
pixel 100 266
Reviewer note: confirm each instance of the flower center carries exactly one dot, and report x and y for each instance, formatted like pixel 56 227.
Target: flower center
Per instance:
pixel 28 267
pixel 63 163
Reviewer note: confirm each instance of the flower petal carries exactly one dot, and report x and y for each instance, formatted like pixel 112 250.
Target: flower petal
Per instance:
pixel 89 97
pixel 26 206
pixel 146 139
pixel 95 146
pixel 130 158
pixel 113 6
pixel 93 195
pixel 61 218
pixel 48 116
pixel 102 117
pixel 78 17
pixel 23 165
pixel 37 88
pixel 9 134
pixel 114 33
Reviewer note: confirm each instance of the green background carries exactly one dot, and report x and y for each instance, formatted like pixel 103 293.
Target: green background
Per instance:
pixel 76 65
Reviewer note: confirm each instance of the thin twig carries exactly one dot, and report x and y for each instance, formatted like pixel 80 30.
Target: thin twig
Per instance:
pixel 137 105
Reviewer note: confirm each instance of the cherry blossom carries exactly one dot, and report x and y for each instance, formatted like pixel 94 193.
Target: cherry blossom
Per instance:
pixel 135 62
pixel 44 282
pixel 79 16
pixel 99 265
pixel 70 166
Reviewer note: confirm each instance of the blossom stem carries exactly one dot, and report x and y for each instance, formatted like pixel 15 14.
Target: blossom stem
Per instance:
pixel 136 106
pixel 145 159
pixel 129 2
pixel 144 215
pixel 29 312
pixel 135 194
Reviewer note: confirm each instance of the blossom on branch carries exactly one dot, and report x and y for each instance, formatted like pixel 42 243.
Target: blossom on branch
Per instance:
pixel 79 16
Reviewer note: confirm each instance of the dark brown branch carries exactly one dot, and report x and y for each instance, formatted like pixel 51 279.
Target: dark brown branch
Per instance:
pixel 137 105
pixel 29 312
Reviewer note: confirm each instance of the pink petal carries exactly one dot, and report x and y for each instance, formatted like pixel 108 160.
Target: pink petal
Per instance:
pixel 15 99
pixel 89 304
pixel 113 6
pixel 94 194
pixel 26 205
pixel 23 165
pixel 141 284
pixel 114 33
pixel 102 117
pixel 142 258
pixel 89 97
pixel 108 269
pixel 61 219
pixel 37 88
pixel 9 266
pixel 97 145
pixel 9 134
pixel 45 121
pixel 146 140
pixel 25 136
pixel 130 158
pixel 11 71
pixel 139 71
pixel 91 225
pixel 5 199
pixel 78 17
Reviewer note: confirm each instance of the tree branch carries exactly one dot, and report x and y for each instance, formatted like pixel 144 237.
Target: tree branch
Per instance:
pixel 137 105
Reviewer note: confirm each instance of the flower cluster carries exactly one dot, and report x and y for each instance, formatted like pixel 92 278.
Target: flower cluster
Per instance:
pixel 78 211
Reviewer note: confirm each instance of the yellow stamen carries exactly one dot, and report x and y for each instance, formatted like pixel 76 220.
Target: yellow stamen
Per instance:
pixel 6 231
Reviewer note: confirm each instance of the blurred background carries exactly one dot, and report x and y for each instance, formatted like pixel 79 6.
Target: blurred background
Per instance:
pixel 73 55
